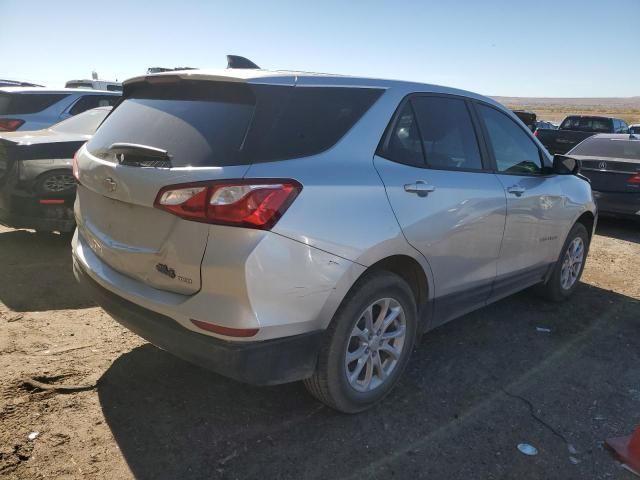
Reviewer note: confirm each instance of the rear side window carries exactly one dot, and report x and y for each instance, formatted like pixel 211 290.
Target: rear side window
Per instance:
pixel 25 103
pixel 513 150
pixel 93 101
pixel 608 147
pixel 217 124
pixel 588 124
pixel 403 143
pixel 309 120
pixel 448 138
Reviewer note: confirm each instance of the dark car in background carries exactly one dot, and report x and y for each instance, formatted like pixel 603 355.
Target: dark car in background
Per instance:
pixel 575 128
pixel 528 118
pixel 612 164
pixel 34 108
pixel 37 187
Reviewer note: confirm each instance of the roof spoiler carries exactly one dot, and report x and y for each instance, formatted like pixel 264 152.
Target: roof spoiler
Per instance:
pixel 236 61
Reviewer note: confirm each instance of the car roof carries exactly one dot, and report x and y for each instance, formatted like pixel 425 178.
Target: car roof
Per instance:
pixel 54 90
pixel 593 116
pixel 298 78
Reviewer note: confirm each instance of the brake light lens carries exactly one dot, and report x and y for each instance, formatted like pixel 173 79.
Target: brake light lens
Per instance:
pixel 634 179
pixel 535 134
pixel 246 203
pixel 10 124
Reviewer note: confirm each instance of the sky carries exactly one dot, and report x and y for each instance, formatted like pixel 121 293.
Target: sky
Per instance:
pixel 538 48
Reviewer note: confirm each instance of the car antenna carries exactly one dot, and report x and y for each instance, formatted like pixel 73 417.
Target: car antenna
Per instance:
pixel 236 61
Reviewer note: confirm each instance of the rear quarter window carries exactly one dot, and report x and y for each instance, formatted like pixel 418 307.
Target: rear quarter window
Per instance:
pixel 308 121
pixel 26 103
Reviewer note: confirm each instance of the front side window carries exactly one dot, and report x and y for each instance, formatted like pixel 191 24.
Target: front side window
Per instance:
pixel 514 151
pixel 448 138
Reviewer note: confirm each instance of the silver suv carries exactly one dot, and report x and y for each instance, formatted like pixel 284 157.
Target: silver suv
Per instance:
pixel 283 226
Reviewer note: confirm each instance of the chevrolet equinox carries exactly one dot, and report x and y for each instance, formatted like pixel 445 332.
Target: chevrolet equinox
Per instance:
pixel 279 226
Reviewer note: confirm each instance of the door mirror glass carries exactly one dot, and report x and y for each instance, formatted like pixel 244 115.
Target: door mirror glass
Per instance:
pixel 563 165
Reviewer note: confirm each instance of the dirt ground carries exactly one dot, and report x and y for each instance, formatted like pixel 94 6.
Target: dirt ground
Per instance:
pixel 474 390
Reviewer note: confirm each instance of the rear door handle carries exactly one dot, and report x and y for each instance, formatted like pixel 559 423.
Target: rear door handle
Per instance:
pixel 420 187
pixel 516 190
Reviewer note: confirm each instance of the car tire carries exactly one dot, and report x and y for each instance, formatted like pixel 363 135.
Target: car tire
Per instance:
pixel 559 287
pixel 354 331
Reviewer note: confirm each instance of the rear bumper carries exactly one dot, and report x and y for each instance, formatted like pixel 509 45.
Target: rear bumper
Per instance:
pixel 45 224
pixel 626 204
pixel 267 362
pixel 20 209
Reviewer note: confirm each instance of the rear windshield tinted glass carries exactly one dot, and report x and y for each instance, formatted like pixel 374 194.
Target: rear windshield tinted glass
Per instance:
pixel 25 103
pixel 609 147
pixel 588 124
pixel 218 124
pixel 84 123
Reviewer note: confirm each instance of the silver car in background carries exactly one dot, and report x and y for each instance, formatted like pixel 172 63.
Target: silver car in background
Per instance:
pixel 37 187
pixel 35 108
pixel 283 226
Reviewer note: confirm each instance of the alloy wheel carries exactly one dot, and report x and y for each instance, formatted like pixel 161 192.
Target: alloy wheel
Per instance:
pixel 375 345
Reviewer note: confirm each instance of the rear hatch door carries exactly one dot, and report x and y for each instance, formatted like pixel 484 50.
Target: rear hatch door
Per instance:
pixel 171 132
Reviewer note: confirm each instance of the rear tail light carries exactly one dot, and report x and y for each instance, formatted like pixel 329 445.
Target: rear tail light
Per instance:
pixel 76 169
pixel 246 203
pixel 10 124
pixel 634 179
pixel 535 134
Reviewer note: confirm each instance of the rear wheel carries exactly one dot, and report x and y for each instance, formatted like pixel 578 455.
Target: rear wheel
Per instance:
pixel 56 182
pixel 569 267
pixel 367 346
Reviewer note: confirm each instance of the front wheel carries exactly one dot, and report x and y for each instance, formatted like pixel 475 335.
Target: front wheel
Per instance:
pixel 367 345
pixel 570 265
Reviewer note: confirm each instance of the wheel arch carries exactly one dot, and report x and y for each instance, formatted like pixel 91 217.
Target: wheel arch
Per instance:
pixel 415 271
pixel 588 219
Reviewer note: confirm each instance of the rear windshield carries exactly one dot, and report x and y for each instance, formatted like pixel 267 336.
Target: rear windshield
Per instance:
pixel 24 103
pixel 219 124
pixel 609 147
pixel 588 124
pixel 84 123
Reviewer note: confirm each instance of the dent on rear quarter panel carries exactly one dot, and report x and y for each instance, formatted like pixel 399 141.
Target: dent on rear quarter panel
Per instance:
pixel 289 283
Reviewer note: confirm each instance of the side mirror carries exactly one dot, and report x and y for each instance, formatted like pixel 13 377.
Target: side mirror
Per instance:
pixel 563 165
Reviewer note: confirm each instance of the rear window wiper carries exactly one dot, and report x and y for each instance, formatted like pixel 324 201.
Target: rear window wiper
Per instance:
pixel 136 155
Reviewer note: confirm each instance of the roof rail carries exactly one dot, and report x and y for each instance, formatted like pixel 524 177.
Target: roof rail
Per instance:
pixel 236 61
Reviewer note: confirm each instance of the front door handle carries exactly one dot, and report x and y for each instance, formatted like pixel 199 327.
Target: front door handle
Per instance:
pixel 516 190
pixel 420 187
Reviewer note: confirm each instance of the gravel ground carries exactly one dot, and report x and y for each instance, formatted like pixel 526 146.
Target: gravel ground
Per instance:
pixel 474 390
